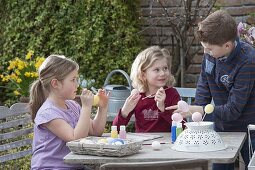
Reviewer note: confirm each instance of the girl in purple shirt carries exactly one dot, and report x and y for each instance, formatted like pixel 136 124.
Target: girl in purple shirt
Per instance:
pixel 152 79
pixel 57 118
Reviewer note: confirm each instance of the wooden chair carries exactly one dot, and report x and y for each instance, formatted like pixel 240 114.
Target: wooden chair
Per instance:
pixel 187 164
pixel 16 132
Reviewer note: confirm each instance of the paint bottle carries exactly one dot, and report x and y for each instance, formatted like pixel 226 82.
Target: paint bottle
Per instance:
pixel 114 132
pixel 179 129
pixel 173 131
pixel 122 134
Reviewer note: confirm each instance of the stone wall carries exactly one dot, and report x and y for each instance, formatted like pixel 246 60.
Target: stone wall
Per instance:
pixel 157 31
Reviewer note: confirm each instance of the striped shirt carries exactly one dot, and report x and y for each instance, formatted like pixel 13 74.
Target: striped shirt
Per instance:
pixel 230 82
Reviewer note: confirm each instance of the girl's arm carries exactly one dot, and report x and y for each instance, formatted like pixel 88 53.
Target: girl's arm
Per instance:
pixel 64 131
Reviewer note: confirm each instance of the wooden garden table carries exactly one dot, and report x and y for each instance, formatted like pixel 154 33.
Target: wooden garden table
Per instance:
pixel 233 140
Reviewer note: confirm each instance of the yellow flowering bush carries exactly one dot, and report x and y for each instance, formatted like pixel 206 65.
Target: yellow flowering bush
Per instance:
pixel 21 73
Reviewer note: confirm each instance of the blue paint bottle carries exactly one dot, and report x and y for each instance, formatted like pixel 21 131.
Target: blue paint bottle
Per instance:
pixel 173 131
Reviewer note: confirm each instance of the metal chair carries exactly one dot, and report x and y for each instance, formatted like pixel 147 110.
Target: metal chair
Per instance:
pixel 186 164
pixel 187 94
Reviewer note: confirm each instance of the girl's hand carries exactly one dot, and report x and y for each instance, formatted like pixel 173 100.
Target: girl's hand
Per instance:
pixel 103 98
pixel 160 98
pixel 130 104
pixel 87 97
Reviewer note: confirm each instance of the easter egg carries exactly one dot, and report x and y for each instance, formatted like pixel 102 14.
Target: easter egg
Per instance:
pixel 96 100
pixel 102 141
pixel 182 105
pixel 155 145
pixel 196 117
pixel 209 108
pixel 177 117
pixel 117 141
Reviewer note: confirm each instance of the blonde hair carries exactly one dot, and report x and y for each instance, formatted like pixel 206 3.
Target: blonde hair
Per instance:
pixel 54 67
pixel 143 61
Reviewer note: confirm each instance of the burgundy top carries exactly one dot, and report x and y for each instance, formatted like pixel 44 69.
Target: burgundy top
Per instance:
pixel 148 118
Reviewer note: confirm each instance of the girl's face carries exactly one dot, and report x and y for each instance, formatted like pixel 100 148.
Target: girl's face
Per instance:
pixel 68 87
pixel 157 75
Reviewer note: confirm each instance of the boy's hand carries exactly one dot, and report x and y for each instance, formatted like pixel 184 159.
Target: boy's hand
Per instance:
pixel 192 109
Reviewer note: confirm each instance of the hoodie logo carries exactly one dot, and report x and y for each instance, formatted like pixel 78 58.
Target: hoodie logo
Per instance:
pixel 225 80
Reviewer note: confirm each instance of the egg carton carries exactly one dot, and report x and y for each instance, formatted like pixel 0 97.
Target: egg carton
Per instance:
pixel 92 146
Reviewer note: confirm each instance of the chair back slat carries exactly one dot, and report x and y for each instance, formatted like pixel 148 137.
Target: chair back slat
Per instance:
pixel 15 155
pixel 15 144
pixel 14 110
pixel 13 123
pixel 15 132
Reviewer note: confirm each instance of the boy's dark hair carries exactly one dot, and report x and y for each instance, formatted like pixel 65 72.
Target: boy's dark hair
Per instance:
pixel 217 29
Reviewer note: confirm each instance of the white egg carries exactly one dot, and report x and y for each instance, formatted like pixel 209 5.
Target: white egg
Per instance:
pixel 118 143
pixel 156 145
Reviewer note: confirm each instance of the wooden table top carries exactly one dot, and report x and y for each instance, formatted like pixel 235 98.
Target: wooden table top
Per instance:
pixel 233 140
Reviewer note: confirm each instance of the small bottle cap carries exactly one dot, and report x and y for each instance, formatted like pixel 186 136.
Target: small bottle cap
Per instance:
pixel 114 128
pixel 123 127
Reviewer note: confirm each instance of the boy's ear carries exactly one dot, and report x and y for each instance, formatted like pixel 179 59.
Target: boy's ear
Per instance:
pixel 54 83
pixel 228 44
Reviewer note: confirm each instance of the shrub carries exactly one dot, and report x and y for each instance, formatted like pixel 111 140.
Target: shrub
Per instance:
pixel 99 35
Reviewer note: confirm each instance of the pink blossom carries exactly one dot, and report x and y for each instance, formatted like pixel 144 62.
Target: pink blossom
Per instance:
pixel 246 33
pixel 251 32
pixel 240 27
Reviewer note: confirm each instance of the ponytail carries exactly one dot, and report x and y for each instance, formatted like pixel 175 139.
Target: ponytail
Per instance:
pixel 37 97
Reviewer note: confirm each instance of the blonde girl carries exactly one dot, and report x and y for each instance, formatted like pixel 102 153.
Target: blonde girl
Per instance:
pixel 153 82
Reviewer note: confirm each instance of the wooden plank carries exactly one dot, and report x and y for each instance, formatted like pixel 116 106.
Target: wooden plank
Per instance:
pixel 15 119
pixel 15 144
pixel 5 112
pixel 15 111
pixel 14 123
pixel 15 155
pixel 15 134
pixel 20 108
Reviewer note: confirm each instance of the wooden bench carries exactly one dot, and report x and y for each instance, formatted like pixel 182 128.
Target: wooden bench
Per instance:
pixel 16 132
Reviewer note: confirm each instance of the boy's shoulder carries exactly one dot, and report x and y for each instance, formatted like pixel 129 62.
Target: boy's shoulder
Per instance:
pixel 247 52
